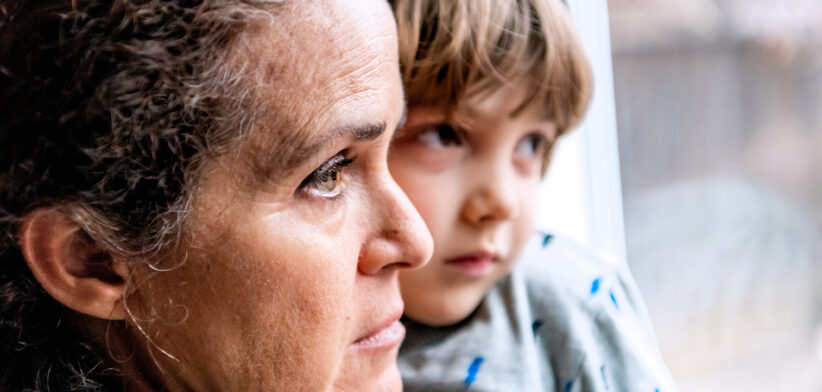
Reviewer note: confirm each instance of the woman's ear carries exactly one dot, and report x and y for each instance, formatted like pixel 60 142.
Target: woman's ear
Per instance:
pixel 71 266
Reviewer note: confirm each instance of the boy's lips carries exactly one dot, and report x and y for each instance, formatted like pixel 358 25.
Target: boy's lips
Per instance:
pixel 474 264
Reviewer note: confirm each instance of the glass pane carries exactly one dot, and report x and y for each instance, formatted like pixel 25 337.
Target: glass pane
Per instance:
pixel 719 117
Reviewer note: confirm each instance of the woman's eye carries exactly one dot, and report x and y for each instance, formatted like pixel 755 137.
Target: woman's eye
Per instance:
pixel 532 146
pixel 325 181
pixel 439 136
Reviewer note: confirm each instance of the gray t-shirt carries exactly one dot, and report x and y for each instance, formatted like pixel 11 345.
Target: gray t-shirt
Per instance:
pixel 565 319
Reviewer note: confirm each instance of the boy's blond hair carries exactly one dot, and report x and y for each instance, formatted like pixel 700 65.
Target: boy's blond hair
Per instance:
pixel 453 49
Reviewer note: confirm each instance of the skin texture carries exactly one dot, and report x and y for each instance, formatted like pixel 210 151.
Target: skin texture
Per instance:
pixel 476 192
pixel 281 275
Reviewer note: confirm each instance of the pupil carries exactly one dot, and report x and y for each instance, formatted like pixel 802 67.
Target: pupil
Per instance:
pixel 446 134
pixel 330 182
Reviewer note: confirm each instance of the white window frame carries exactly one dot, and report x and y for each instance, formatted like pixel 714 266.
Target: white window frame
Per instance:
pixel 582 195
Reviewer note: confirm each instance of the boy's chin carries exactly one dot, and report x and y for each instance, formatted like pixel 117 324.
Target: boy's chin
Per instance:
pixel 441 316
pixel 439 300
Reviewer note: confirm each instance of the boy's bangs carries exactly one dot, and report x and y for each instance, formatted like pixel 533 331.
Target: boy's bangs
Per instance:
pixel 490 45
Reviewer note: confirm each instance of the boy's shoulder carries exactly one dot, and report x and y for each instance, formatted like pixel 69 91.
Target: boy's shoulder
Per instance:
pixel 568 270
pixel 577 287
pixel 562 320
pixel 589 317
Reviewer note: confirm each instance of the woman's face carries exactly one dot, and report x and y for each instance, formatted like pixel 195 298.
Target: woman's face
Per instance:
pixel 296 238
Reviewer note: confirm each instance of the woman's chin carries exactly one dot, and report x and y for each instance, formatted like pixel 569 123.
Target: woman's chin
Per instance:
pixel 371 374
pixel 389 381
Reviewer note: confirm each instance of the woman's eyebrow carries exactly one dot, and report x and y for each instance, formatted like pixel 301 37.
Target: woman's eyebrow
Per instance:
pixel 358 132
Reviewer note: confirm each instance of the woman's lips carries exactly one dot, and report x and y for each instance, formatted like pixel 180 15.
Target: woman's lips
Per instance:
pixel 389 335
pixel 475 264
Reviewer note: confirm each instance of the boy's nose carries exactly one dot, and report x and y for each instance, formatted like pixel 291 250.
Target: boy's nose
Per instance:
pixel 493 200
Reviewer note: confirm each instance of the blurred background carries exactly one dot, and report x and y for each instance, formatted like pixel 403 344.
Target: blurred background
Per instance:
pixel 719 127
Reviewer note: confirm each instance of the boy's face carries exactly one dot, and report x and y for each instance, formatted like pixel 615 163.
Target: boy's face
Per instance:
pixel 474 180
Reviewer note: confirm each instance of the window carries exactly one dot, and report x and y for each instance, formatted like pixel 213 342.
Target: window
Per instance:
pixel 713 123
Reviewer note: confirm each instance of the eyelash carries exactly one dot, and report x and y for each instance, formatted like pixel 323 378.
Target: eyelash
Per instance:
pixel 329 170
pixel 447 136
pixel 540 143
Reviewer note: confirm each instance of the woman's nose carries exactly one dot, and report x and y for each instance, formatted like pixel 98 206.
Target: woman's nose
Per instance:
pixel 401 238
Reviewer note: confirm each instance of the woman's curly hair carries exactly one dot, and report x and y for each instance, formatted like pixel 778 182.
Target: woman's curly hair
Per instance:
pixel 107 109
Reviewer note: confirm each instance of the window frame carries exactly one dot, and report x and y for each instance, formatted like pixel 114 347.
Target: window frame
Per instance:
pixel 582 194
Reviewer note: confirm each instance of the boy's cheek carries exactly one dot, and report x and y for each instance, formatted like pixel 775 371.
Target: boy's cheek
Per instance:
pixel 409 155
pixel 526 221
pixel 436 198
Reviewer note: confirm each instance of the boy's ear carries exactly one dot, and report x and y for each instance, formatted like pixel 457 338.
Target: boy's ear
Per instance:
pixel 71 266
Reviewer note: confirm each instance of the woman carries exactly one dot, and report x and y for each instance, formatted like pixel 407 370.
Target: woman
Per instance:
pixel 195 196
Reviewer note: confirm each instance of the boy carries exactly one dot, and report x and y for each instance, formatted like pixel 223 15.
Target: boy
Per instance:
pixel 490 86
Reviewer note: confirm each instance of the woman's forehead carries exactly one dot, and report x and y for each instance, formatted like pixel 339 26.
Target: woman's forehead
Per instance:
pixel 309 79
pixel 319 58
pixel 298 41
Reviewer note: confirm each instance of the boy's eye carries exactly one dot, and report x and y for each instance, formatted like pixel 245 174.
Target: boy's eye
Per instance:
pixel 325 181
pixel 439 136
pixel 532 146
